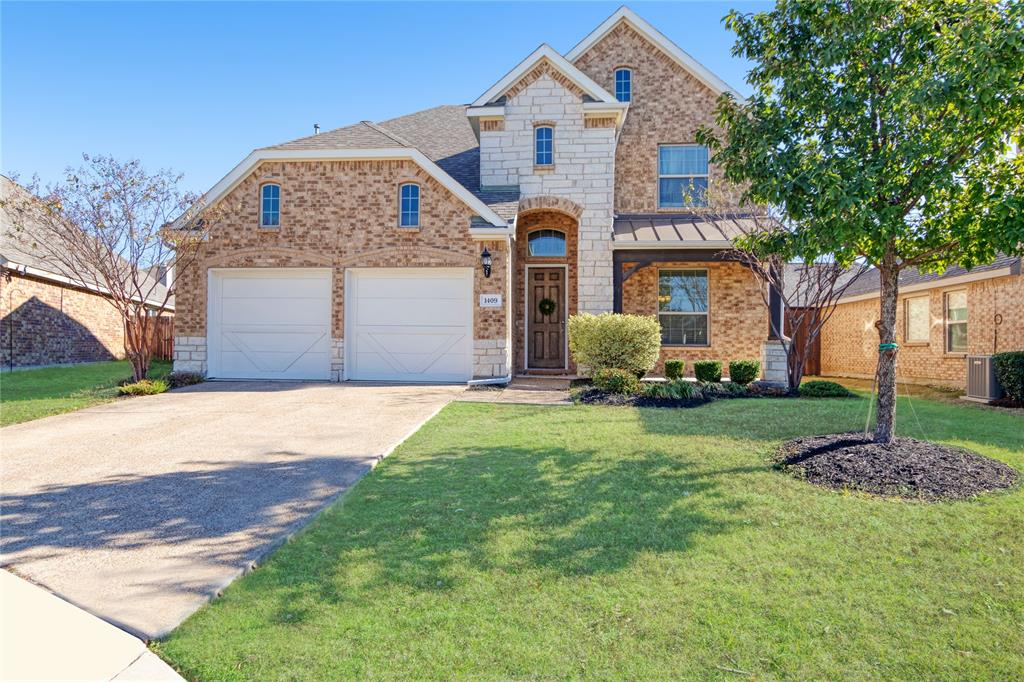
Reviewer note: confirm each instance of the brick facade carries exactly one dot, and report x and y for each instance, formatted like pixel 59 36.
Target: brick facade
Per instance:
pixel 849 340
pixel 46 323
pixel 343 214
pixel 738 321
pixel 668 105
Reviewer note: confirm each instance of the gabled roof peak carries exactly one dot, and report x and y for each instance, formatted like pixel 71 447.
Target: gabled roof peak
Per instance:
pixel 636 22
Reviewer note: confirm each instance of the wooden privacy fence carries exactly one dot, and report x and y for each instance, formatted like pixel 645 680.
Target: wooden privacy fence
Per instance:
pixel 161 335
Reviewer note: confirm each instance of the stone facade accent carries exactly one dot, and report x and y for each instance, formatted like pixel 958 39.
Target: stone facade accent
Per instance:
pixel 849 341
pixel 46 323
pixel 490 358
pixel 583 171
pixel 492 124
pixel 599 122
pixel 544 69
pixel 539 219
pixel 190 354
pixel 738 321
pixel 337 359
pixel 774 366
pixel 668 105
pixel 342 214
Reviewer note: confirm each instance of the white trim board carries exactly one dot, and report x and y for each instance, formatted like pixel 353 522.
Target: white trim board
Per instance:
pixel 545 51
pixel 624 14
pixel 258 156
pixel 942 283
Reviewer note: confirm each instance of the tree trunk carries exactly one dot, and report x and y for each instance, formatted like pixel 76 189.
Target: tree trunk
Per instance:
pixel 886 373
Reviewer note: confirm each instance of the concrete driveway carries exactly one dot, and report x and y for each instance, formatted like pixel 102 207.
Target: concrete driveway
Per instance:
pixel 140 510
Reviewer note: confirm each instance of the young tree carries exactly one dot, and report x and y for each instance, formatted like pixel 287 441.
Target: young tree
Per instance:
pixel 880 131
pixel 103 227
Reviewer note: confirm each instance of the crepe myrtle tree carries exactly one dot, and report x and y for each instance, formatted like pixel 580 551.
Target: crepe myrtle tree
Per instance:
pixel 104 226
pixel 880 130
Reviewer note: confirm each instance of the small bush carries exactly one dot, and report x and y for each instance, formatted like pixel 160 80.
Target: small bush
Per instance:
pixel 707 371
pixel 674 369
pixel 735 389
pixel 1010 373
pixel 144 387
pixel 742 372
pixel 714 389
pixel 616 381
pixel 614 341
pixel 672 390
pixel 179 379
pixel 824 389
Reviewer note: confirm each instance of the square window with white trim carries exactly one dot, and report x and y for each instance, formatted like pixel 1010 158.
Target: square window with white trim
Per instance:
pixel 682 176
pixel 683 307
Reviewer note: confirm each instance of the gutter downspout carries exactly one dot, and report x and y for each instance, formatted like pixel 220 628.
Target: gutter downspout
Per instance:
pixel 493 380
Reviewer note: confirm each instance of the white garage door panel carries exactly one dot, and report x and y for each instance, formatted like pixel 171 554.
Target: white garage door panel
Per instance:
pixel 270 323
pixel 410 324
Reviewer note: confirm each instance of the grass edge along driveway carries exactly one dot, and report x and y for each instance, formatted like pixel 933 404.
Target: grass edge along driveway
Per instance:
pixel 28 394
pixel 593 542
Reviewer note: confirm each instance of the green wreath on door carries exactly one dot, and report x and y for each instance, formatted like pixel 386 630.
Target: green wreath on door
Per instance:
pixel 546 306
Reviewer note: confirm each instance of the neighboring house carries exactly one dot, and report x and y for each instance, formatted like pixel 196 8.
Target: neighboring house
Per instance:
pixel 941 319
pixel 46 318
pixel 454 243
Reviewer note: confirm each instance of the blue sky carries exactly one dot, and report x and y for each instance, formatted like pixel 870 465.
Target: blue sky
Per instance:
pixel 196 86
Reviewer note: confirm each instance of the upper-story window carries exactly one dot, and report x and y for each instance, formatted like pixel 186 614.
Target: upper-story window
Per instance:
pixel 543 138
pixel 623 85
pixel 270 212
pixel 682 176
pixel 409 205
pixel 547 243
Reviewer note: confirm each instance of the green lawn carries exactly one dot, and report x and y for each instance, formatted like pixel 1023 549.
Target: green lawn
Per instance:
pixel 507 541
pixel 34 393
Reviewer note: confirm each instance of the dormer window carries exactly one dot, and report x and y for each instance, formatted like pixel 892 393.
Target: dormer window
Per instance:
pixel 543 138
pixel 624 85
pixel 270 211
pixel 409 205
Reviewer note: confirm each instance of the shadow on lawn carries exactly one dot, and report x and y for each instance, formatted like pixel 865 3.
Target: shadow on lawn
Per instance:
pixel 430 525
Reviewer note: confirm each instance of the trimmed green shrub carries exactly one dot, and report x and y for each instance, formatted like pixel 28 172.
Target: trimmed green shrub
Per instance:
pixel 671 390
pixel 144 387
pixel 742 372
pixel 674 368
pixel 824 389
pixel 613 380
pixel 1010 373
pixel 179 379
pixel 615 341
pixel 707 371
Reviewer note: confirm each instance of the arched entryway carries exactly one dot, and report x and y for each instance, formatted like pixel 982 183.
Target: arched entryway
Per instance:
pixel 545 286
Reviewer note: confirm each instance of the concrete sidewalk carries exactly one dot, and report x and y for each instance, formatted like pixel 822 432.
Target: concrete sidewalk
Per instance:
pixel 43 637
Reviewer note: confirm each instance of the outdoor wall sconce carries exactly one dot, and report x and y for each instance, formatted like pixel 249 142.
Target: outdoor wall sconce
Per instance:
pixel 485 260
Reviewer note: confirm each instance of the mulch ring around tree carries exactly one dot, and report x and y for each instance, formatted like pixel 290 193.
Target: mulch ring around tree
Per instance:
pixel 908 468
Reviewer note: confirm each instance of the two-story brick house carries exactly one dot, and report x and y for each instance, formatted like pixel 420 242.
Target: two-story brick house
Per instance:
pixel 453 243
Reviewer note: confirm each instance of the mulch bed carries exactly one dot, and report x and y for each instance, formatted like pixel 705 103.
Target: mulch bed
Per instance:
pixel 908 468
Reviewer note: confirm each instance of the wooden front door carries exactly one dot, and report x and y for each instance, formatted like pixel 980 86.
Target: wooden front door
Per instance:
pixel 545 316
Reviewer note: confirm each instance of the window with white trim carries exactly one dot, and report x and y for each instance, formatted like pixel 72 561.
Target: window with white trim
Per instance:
pixel 917 321
pixel 409 205
pixel 544 150
pixel 624 85
pixel 270 205
pixel 682 176
pixel 956 322
pixel 683 307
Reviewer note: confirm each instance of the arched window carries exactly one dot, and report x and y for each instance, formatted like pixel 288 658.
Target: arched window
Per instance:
pixel 409 205
pixel 270 211
pixel 546 243
pixel 623 85
pixel 544 145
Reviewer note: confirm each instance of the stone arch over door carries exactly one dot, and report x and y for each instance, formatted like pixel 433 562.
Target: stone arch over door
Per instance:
pixel 545 202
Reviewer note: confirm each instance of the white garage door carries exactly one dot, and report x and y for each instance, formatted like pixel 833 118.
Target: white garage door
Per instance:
pixel 409 324
pixel 270 323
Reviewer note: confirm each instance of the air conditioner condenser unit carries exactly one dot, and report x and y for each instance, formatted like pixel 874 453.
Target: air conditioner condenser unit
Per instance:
pixel 982 384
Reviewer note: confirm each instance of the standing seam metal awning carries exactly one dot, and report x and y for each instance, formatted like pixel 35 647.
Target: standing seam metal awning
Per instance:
pixel 681 230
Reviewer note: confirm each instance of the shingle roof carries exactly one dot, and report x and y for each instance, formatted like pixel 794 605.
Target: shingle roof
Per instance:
pixel 679 229
pixel 868 282
pixel 443 134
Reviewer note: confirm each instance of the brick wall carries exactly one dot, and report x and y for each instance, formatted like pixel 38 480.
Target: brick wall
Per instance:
pixel 849 340
pixel 343 214
pixel 668 105
pixel 738 321
pixel 50 324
